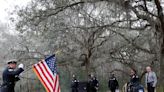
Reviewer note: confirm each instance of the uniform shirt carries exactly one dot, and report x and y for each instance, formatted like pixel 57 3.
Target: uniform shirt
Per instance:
pixel 134 83
pixel 134 79
pixel 10 76
pixel 93 85
pixel 113 83
pixel 75 83
pixel 96 83
pixel 151 78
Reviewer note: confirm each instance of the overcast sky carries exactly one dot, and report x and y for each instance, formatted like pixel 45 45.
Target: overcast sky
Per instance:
pixel 7 6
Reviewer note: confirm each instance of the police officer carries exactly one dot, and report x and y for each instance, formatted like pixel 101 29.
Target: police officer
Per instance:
pixel 113 83
pixel 134 80
pixel 134 84
pixel 75 84
pixel 11 76
pixel 93 84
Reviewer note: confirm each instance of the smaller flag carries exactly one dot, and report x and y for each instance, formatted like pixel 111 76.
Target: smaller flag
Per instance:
pixel 46 71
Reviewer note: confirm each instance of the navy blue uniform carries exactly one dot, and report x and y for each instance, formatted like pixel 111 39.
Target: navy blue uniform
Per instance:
pixel 134 84
pixel 93 85
pixel 113 84
pixel 10 77
pixel 74 85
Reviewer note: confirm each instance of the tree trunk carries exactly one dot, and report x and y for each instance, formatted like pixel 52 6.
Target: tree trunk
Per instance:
pixel 161 80
pixel 161 30
pixel 87 68
pixel 88 62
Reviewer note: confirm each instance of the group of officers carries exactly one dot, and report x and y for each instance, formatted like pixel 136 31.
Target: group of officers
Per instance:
pixel 92 84
pixel 11 76
pixel 133 85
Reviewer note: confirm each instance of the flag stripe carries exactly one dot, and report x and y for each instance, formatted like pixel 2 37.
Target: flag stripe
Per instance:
pixel 44 79
pixel 46 68
pixel 47 73
pixel 45 76
pixel 41 79
pixel 55 84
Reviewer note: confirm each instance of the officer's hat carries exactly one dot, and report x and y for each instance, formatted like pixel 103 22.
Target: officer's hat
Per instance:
pixel 13 61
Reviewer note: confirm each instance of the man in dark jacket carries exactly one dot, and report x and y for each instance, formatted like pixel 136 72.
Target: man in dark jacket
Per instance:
pixel 11 76
pixel 113 83
pixel 134 84
pixel 93 84
pixel 75 84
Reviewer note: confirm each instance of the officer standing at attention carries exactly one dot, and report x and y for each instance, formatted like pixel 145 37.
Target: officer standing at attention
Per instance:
pixel 11 76
pixel 93 84
pixel 150 79
pixel 75 84
pixel 113 83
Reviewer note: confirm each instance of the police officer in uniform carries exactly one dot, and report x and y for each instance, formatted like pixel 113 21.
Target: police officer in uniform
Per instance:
pixel 75 84
pixel 113 83
pixel 134 84
pixel 93 84
pixel 134 80
pixel 11 76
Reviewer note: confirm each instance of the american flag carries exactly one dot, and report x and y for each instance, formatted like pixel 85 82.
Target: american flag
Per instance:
pixel 46 71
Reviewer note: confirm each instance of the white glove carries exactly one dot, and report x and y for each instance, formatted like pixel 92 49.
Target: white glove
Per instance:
pixel 20 66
